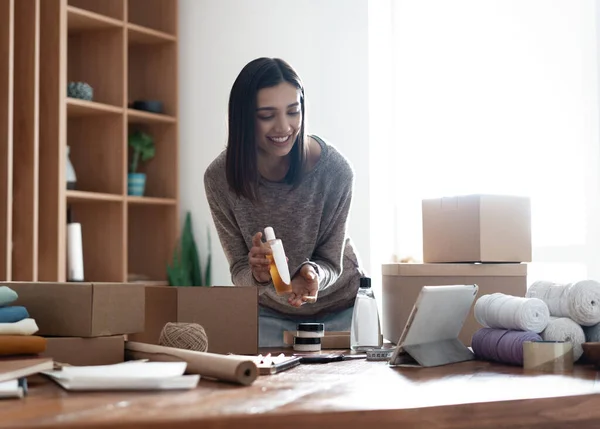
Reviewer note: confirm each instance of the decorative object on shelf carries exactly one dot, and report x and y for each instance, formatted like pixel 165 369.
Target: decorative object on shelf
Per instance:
pixel 80 90
pixel 143 148
pixel 74 250
pixel 185 269
pixel 71 176
pixel 153 106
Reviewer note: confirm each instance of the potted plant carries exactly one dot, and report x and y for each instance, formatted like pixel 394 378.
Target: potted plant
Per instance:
pixel 143 148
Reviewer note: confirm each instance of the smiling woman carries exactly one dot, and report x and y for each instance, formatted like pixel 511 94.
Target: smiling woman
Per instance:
pixel 273 174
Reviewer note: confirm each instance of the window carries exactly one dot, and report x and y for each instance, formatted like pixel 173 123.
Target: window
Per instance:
pixel 490 96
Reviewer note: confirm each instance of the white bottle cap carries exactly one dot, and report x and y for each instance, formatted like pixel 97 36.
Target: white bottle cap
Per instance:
pixel 269 233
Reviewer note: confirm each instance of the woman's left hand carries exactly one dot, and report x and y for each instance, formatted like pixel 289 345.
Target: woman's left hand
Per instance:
pixel 305 286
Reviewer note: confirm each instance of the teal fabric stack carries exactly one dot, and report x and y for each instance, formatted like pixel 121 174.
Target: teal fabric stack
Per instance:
pixel 14 319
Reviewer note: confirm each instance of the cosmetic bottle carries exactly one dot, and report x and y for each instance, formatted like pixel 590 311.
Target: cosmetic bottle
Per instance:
pixel 74 250
pixel 365 331
pixel 280 273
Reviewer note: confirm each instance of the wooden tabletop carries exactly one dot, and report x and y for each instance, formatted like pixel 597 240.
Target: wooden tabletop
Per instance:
pixel 335 395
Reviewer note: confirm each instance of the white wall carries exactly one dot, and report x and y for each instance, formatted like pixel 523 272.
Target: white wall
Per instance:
pixel 326 41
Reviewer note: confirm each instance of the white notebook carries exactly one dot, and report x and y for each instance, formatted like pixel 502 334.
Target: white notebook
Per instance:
pixel 133 375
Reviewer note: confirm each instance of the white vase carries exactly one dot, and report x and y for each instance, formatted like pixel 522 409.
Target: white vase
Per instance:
pixel 71 176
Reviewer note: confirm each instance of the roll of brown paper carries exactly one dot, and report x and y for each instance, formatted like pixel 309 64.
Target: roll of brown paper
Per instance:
pixel 548 356
pixel 235 369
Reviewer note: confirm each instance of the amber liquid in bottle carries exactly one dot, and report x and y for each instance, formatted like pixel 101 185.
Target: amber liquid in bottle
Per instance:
pixel 281 287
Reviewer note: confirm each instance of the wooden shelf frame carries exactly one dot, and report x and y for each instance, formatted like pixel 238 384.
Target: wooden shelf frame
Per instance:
pixel 127 50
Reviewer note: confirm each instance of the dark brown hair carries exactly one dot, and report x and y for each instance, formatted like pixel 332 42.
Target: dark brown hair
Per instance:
pixel 241 156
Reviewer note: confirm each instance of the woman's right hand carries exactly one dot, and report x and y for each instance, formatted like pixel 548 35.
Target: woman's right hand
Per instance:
pixel 257 258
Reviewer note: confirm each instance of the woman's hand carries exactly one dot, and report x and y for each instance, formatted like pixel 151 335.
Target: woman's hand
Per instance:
pixel 305 286
pixel 257 258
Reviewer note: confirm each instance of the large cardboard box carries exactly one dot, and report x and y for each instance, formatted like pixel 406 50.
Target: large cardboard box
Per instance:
pixel 401 284
pixel 477 228
pixel 83 309
pixel 86 351
pixel 229 315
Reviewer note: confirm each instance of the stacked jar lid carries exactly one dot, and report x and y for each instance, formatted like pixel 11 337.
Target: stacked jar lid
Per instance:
pixel 308 337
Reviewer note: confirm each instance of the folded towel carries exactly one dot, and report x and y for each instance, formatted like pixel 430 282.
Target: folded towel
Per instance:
pixel 7 295
pixel 13 314
pixel 21 345
pixel 22 327
pixel 503 311
pixel 565 329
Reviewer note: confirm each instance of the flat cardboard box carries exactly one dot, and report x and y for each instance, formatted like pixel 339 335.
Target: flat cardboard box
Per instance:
pixel 401 284
pixel 82 309
pixel 229 315
pixel 477 228
pixel 86 351
pixel 330 340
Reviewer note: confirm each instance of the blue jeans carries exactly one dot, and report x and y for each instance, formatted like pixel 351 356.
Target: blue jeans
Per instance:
pixel 271 325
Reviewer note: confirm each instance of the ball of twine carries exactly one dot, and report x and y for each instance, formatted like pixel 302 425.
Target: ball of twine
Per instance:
pixel 189 336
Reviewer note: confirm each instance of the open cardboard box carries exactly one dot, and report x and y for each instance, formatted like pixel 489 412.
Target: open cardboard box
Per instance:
pixel 228 314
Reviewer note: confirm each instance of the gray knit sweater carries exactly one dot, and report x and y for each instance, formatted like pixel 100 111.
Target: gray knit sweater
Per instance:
pixel 311 221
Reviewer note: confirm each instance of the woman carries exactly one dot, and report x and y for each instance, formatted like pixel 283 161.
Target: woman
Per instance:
pixel 273 174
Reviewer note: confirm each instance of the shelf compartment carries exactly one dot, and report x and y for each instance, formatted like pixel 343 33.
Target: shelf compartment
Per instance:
pixel 138 35
pixel 25 153
pixel 102 226
pixel 97 153
pixel 161 176
pixel 107 8
pixel 80 20
pixel 141 117
pixel 97 58
pixel 81 196
pixel 158 15
pixel 152 75
pixel 151 236
pixel 6 134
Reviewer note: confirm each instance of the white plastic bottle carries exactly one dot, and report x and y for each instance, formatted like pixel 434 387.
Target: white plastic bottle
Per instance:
pixel 280 273
pixel 365 332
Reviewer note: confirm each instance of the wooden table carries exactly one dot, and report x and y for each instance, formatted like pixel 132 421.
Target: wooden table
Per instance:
pixel 335 395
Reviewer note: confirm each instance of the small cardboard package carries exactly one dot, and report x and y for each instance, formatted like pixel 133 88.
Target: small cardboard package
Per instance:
pixel 229 315
pixel 330 340
pixel 86 351
pixel 83 309
pixel 401 284
pixel 477 228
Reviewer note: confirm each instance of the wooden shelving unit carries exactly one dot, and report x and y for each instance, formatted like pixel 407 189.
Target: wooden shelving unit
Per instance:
pixel 127 51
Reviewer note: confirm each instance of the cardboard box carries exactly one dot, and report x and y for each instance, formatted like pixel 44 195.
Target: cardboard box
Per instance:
pixel 86 351
pixel 229 315
pixel 83 309
pixel 401 284
pixel 477 228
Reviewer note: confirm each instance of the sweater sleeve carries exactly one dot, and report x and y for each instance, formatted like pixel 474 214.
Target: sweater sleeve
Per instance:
pixel 231 238
pixel 329 252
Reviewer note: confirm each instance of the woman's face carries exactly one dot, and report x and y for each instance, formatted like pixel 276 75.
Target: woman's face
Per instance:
pixel 278 118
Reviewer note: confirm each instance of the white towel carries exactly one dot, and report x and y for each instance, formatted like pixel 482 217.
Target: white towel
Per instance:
pixel 565 329
pixel 22 327
pixel 503 311
pixel 579 301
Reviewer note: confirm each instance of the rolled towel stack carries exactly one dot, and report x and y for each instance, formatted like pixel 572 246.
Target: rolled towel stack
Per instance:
pixel 579 301
pixel 17 328
pixel 508 321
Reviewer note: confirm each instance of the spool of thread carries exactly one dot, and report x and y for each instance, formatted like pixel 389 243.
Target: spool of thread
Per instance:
pixel 579 301
pixel 188 336
pixel 565 329
pixel 501 345
pixel 503 311
pixel 548 356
